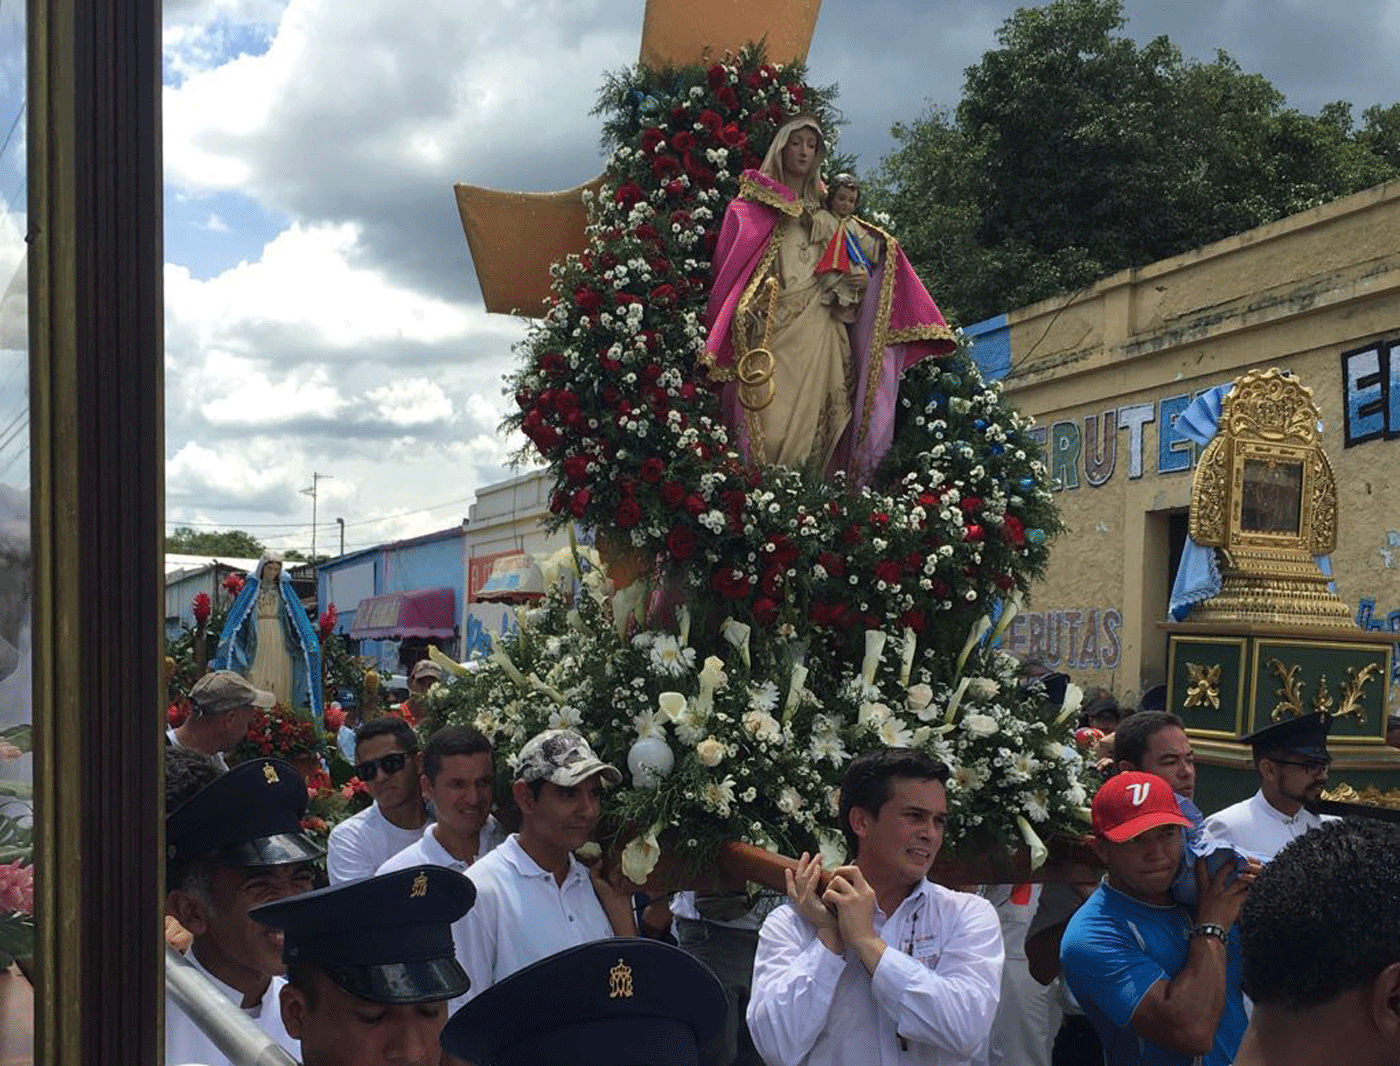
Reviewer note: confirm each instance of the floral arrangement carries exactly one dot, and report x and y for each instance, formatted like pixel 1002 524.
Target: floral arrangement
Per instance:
pixel 742 631
pixel 279 733
pixel 16 854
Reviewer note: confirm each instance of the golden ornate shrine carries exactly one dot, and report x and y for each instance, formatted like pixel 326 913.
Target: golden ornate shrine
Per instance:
pixel 1264 497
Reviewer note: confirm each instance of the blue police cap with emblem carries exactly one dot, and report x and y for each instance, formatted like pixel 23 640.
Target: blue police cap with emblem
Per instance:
pixel 623 1000
pixel 385 939
pixel 1305 736
pixel 250 816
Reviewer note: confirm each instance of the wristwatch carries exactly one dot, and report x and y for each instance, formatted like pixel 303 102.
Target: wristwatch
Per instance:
pixel 1219 932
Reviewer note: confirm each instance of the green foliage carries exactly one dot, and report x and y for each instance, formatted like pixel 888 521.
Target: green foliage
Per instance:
pixel 230 543
pixel 1076 152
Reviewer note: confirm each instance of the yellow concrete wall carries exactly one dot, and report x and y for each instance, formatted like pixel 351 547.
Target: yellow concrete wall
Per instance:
pixel 1297 295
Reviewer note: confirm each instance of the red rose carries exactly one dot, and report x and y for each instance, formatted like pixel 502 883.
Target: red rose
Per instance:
pixel 711 121
pixel 971 504
pixel 771 583
pixel 717 76
pixel 557 502
pixel 652 139
pixel 1013 530
pixel 753 79
pixel 698 171
pixel 663 295
pixel 652 469
pixel 833 564
pixel 784 550
pixel 731 584
pixel 732 137
pixel 552 363
pixel 576 467
pixel 798 93
pixel 645 232
pixel 587 299
pixel 565 402
pixel 689 391
pixel 879 519
pixel 681 217
pixel 732 501
pixel 233 584
pixel 665 167
pixel 973 533
pixel 578 502
pixel 675 187
pixel 680 542
pixel 628 513
pixel 629 194
pixel 672 493
pixel 850 535
pixel 1005 582
pixel 728 99
pixel 826 614
pixel 201 606
pixel 765 611
pixel 682 142
pixel 546 439
pixel 695 504
pixel 889 572
pixel 915 620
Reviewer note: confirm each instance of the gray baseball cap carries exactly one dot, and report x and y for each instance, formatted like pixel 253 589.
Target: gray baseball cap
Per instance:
pixel 562 757
pixel 224 690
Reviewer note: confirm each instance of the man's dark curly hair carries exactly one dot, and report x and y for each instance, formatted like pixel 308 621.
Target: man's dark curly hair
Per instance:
pixel 1321 919
pixel 869 782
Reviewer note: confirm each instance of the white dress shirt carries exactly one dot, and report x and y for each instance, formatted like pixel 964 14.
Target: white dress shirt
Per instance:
pixel 522 914
pixel 1258 829
pixel 359 845
pixel 934 991
pixel 185 1042
pixel 427 850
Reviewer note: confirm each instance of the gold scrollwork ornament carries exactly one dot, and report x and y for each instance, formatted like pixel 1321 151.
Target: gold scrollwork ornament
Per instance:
pixel 1290 693
pixel 1204 686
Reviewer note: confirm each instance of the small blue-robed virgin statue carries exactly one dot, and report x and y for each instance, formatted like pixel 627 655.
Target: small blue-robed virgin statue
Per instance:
pixel 268 639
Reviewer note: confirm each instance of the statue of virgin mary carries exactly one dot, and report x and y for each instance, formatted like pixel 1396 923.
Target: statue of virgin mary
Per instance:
pixel 801 387
pixel 268 639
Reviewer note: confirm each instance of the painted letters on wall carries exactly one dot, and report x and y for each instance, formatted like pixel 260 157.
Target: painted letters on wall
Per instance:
pixel 1371 393
pixel 1078 454
pixel 1085 639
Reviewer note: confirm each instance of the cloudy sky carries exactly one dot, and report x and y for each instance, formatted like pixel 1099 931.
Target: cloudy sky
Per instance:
pixel 323 314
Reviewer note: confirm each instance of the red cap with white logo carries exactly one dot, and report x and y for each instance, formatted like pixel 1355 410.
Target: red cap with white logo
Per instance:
pixel 1132 803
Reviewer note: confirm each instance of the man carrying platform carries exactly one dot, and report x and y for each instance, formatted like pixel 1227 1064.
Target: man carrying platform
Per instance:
pixel 1161 985
pixel 232 845
pixel 371 966
pixel 884 966
pixel 1292 761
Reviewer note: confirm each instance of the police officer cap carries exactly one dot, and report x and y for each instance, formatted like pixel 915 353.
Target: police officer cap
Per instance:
pixel 1305 736
pixel 250 816
pixel 619 1002
pixel 386 939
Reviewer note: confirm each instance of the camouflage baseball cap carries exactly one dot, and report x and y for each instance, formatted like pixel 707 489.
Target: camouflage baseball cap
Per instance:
pixel 563 758
pixel 223 690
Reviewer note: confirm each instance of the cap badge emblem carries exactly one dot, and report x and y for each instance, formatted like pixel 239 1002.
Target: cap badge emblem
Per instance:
pixel 270 772
pixel 420 887
pixel 620 981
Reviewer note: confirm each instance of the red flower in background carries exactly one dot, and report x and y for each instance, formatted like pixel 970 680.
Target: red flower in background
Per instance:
pixel 665 167
pixel 201 606
pixel 682 142
pixel 317 780
pixel 681 542
pixel 578 502
pixel 327 621
pixel 730 583
pixel 334 718
pixel 354 787
pixel 652 139
pixel 176 713
pixel 765 611
pixel 628 513
pixel 629 194
pixel 233 584
pixel 711 121
pixel 1013 530
pixel 728 98
pixel 588 301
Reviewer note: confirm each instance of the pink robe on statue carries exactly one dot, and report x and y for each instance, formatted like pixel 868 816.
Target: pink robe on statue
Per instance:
pixel 898 325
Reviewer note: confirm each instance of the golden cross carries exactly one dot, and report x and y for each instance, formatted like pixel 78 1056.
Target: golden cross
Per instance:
pixel 514 237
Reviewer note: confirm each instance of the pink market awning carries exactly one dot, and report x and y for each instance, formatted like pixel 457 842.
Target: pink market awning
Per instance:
pixel 422 613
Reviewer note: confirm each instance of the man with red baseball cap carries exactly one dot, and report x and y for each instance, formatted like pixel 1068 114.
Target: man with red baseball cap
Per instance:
pixel 1160 984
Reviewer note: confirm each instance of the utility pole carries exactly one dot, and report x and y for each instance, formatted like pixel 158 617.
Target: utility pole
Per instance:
pixel 341 522
pixel 313 492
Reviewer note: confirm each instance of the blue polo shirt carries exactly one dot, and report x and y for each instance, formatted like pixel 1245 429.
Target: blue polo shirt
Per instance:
pixel 1114 949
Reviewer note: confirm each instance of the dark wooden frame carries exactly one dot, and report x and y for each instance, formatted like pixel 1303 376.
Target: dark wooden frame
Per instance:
pixel 97 443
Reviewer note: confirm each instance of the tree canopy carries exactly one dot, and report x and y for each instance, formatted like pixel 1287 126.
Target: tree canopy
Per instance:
pixel 1075 152
pixel 229 543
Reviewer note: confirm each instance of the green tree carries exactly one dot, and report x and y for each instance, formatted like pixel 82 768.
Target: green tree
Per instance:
pixel 1075 152
pixel 229 543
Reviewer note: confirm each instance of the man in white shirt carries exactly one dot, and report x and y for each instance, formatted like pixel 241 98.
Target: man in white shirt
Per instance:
pixel 883 966
pixel 459 782
pixel 534 898
pixel 1292 760
pixel 222 705
pixel 233 844
pixel 387 761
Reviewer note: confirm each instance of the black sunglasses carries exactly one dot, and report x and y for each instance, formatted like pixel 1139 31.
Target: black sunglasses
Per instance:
pixel 390 764
pixel 1312 766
